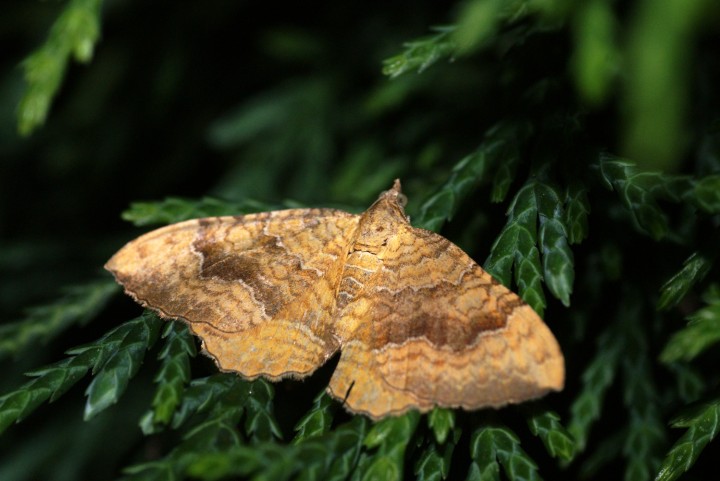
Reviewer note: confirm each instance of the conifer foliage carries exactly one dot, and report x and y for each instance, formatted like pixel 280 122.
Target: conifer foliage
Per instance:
pixel 571 148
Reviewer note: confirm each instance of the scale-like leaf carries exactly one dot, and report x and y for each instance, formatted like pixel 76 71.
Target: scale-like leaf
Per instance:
pixel 577 209
pixel 694 270
pixel 111 381
pixel 639 191
pixel 535 217
pixel 390 438
pixel 260 423
pixel 492 444
pixel 202 394
pixel 330 456
pixel 558 442
pixel 558 265
pixel 441 206
pixel 435 461
pixel 517 246
pixel 172 377
pixel 441 421
pixel 703 424
pixel 707 194
pixel 42 323
pixel 174 209
pixel 421 54
pixel 499 146
pixel 702 331
pixel 74 33
pixel 596 378
pixel 220 402
pixel 317 421
pixel 645 434
pixel 52 381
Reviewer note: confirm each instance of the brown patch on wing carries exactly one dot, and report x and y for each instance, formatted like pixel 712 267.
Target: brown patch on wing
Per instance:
pixel 246 285
pixel 221 261
pixel 430 327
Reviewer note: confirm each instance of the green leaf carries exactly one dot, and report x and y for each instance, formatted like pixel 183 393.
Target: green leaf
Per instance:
pixel 345 456
pixel 707 194
pixel 689 383
pixel 241 461
pixel 503 143
pixel 80 304
pixel 639 191
pixel 694 270
pixel 499 146
pixel 505 172
pixel 421 54
pixel 441 421
pixel 174 209
pixel 260 423
pixel 703 423
pixel 644 437
pixel 492 444
pixel 53 381
pixel 442 205
pixel 516 245
pixel 330 456
pixel 217 403
pixel 50 384
pixel 558 265
pixel 596 59
pixel 75 32
pixel 434 462
pixel 390 437
pixel 608 450
pixel 110 383
pixel 702 331
pixel 577 208
pixel 478 21
pixel 392 430
pixel 596 379
pixel 224 397
pixel 207 393
pixel 317 421
pixel 534 203
pixel 219 420
pixel 265 112
pixel 645 434
pixel 172 377
pixel 558 442
pixel 44 72
pixel 431 466
pixel 490 473
pixel 477 24
pixel 657 86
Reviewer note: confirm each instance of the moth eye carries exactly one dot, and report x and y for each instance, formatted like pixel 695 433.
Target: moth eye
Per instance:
pixel 402 200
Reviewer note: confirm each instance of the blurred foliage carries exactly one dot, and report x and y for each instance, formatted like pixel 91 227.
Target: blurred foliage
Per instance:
pixel 573 145
pixel 41 324
pixel 75 33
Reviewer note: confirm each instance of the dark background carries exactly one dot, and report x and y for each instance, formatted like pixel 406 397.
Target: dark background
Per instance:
pixel 141 121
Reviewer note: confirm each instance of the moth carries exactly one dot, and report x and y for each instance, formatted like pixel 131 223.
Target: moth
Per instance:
pixel 417 322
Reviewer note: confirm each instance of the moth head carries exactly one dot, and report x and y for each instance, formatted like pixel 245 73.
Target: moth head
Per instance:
pixel 376 224
pixel 393 199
